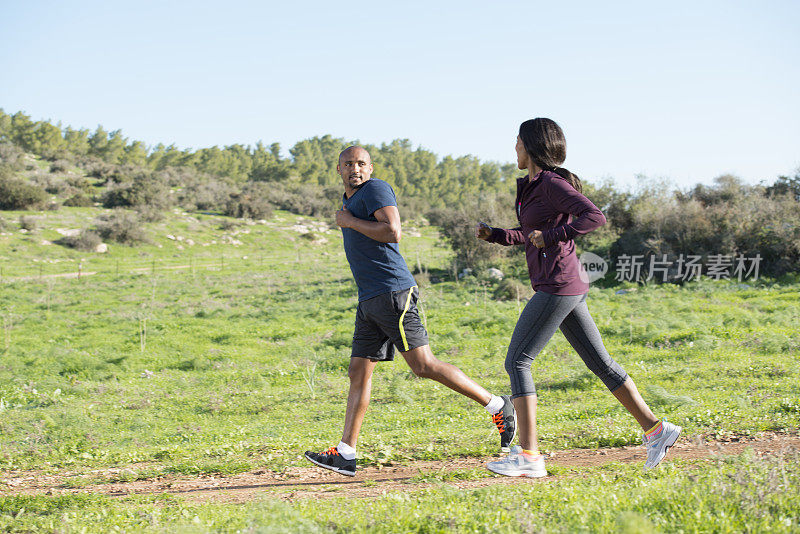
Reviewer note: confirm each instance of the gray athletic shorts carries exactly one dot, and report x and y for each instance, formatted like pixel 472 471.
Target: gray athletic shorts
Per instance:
pixel 386 320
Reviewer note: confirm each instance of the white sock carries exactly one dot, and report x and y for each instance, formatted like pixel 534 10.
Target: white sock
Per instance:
pixel 495 405
pixel 347 452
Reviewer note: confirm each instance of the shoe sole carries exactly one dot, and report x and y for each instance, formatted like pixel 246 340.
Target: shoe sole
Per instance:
pixel 537 474
pixel 331 468
pixel 667 448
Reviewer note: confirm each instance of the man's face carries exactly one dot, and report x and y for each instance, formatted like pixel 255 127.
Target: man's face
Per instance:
pixel 355 167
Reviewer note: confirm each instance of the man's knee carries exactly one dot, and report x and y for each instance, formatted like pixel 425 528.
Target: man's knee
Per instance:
pixel 424 368
pixel 423 364
pixel 360 370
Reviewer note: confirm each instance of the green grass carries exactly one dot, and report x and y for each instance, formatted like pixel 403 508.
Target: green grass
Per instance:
pixel 745 493
pixel 237 360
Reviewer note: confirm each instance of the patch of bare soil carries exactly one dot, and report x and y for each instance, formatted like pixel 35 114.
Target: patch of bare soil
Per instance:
pixel 313 482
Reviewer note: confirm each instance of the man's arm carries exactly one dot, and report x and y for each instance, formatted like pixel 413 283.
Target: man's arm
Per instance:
pixel 386 229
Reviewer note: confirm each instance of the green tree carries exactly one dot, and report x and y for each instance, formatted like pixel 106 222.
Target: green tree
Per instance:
pixel 5 126
pixel 134 154
pixel 76 141
pixel 267 165
pixel 315 159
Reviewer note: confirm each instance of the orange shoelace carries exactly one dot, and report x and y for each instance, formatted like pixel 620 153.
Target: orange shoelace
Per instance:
pixel 333 451
pixel 497 419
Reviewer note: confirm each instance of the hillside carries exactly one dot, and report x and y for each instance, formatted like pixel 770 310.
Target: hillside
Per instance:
pixel 45 166
pixel 218 347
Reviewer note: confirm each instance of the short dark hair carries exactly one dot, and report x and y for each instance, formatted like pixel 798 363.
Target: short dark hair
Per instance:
pixel 353 147
pixel 546 145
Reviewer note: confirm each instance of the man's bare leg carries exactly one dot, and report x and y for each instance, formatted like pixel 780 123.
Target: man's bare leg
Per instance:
pixel 425 365
pixel 360 373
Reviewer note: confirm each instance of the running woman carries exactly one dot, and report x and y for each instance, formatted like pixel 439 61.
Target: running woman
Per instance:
pixel 551 211
pixel 387 316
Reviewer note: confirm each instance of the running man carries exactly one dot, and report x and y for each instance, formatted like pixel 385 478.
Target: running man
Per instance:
pixel 387 316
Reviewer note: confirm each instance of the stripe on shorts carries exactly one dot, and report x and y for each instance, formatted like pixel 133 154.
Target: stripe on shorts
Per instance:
pixel 403 315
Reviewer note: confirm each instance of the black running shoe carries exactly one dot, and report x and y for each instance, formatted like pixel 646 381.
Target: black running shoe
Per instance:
pixel 331 459
pixel 506 422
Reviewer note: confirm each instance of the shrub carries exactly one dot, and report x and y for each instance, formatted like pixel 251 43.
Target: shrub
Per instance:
pixel 12 157
pixel 458 228
pixel 48 182
pixel 148 213
pixel 59 166
pixel 122 174
pixel 144 190
pixel 728 218
pixel 121 226
pixel 228 225
pixel 79 182
pixel 18 195
pixel 210 194
pixel 29 223
pixel 512 289
pixel 250 203
pixel 305 199
pixel 96 168
pixel 79 201
pixel 87 240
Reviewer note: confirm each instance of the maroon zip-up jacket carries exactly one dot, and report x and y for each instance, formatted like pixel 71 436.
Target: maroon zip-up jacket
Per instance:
pixel 548 203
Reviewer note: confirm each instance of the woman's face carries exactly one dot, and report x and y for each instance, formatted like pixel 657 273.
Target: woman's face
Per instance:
pixel 522 155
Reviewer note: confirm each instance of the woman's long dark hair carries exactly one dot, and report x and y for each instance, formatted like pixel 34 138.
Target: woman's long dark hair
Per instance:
pixel 547 147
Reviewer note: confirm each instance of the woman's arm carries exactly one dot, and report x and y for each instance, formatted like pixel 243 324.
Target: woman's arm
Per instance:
pixel 566 199
pixel 501 236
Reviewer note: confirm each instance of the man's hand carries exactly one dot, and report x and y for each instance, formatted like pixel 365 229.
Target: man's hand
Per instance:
pixel 483 231
pixel 537 238
pixel 344 218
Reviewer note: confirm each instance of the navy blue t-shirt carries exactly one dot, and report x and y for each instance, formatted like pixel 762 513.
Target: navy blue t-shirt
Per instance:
pixel 377 267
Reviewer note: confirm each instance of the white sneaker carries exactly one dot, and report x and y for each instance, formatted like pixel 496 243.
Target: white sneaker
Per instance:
pixel 517 464
pixel 658 444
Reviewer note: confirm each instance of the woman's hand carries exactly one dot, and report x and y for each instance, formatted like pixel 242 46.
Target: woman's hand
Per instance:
pixel 483 231
pixel 537 238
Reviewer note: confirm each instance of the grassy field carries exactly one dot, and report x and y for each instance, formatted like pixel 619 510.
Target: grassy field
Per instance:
pixel 222 348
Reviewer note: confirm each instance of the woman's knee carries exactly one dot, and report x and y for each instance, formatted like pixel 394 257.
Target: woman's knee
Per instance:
pixel 516 363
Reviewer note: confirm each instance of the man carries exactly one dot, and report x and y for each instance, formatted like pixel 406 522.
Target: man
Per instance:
pixel 387 314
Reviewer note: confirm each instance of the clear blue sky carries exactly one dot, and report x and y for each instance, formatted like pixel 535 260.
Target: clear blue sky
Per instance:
pixel 683 90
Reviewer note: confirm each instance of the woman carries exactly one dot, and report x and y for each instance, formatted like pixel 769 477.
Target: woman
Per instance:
pixel 551 211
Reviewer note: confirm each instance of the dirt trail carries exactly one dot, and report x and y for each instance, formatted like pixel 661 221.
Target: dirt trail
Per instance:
pixel 311 482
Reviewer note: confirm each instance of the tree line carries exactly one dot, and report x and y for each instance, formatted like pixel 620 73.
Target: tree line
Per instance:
pixel 412 172
pixel 728 217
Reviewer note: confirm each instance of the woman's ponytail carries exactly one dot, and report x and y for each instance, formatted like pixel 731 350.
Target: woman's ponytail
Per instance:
pixel 573 179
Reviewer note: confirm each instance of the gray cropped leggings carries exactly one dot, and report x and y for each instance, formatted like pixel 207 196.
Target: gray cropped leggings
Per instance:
pixel 540 319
